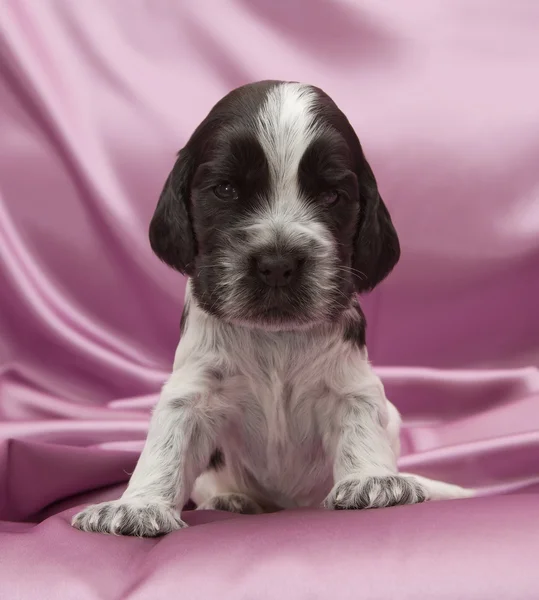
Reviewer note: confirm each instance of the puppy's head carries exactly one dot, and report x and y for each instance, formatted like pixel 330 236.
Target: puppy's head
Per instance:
pixel 273 210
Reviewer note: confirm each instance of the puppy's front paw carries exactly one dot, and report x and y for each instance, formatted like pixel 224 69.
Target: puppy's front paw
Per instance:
pixel 128 517
pixel 374 492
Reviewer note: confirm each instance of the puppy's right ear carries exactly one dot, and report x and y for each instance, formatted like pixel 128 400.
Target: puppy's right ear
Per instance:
pixel 171 231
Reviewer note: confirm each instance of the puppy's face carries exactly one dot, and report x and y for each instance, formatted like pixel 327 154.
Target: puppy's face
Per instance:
pixel 273 211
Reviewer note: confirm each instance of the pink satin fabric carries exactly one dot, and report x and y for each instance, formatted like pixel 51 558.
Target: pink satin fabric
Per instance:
pixel 95 99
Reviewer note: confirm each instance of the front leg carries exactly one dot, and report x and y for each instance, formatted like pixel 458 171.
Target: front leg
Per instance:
pixel 366 452
pixel 180 441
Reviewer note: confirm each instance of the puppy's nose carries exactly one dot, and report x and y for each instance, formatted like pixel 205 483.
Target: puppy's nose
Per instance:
pixel 276 271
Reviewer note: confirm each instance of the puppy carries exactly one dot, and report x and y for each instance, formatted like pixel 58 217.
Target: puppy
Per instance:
pixel 273 213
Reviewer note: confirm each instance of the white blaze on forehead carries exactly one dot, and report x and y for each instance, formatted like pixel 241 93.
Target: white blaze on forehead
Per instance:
pixel 286 128
pixel 287 125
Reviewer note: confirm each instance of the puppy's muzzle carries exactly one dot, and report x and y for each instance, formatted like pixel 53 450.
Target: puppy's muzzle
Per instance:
pixel 277 271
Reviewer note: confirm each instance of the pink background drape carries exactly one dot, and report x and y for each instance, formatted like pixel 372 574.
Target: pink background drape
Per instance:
pixel 95 99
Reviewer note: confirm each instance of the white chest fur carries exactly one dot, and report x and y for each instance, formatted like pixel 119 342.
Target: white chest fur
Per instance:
pixel 282 394
pixel 276 439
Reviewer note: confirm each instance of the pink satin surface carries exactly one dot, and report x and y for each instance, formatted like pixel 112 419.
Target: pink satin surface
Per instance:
pixel 95 99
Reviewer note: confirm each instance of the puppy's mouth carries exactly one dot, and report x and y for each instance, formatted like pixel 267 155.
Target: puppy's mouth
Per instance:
pixel 241 292
pixel 278 311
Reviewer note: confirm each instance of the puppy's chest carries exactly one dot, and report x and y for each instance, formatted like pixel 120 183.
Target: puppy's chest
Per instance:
pixel 281 428
pixel 286 411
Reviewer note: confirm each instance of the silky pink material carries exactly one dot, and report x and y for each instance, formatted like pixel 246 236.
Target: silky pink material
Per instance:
pixel 95 99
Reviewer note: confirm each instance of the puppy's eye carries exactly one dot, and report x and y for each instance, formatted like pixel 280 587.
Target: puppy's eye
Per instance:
pixel 329 198
pixel 226 191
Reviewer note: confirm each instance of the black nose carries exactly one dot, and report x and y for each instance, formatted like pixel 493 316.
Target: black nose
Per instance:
pixel 276 271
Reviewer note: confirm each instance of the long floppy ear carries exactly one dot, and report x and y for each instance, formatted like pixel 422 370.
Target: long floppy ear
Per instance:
pixel 171 231
pixel 376 245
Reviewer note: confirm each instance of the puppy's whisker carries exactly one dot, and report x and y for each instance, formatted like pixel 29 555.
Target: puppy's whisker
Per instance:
pixel 352 270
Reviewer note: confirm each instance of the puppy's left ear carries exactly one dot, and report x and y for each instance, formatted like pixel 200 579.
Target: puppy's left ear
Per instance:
pixel 171 232
pixel 376 245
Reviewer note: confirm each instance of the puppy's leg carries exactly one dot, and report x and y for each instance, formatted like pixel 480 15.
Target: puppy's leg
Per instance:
pixel 216 490
pixel 232 502
pixel 435 490
pixel 366 452
pixel 178 447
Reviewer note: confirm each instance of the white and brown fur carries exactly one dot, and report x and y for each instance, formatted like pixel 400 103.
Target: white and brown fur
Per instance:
pixel 272 402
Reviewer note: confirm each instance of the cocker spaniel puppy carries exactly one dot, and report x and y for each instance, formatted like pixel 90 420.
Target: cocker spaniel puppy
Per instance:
pixel 274 214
